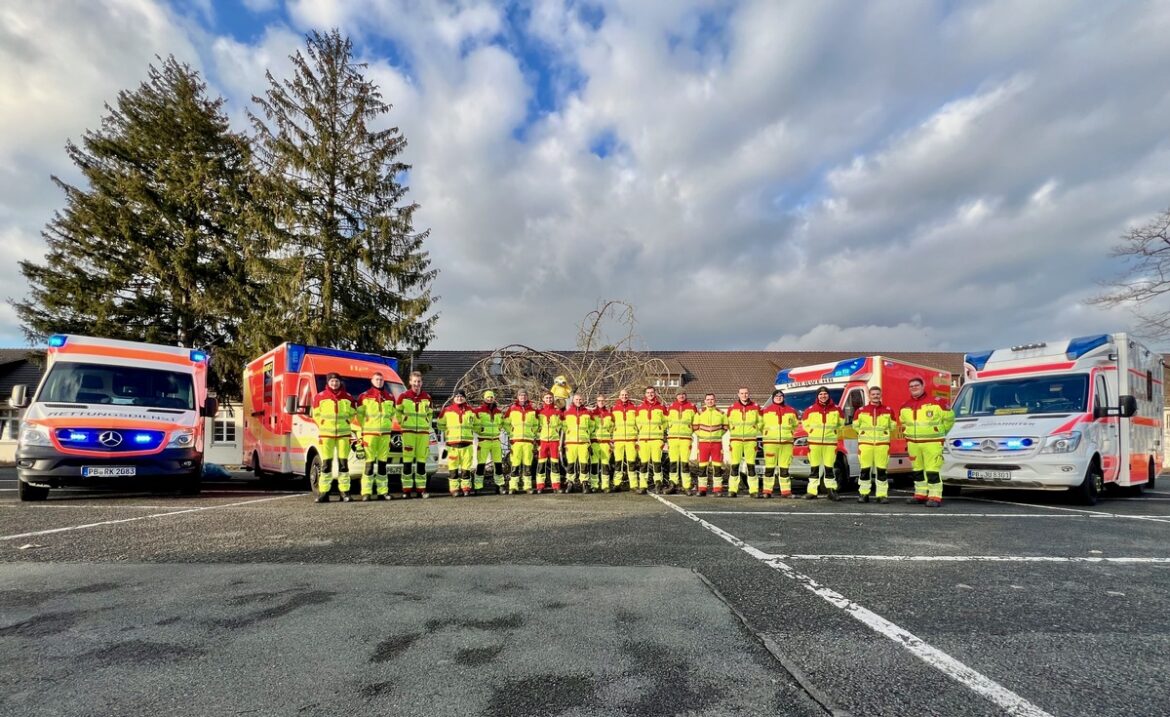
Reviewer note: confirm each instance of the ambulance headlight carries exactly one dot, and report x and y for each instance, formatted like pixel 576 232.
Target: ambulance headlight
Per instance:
pixel 182 439
pixel 1062 442
pixel 35 436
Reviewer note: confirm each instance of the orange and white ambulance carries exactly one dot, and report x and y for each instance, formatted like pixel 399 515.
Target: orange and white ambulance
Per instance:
pixel 113 412
pixel 280 437
pixel 849 382
pixel 1075 414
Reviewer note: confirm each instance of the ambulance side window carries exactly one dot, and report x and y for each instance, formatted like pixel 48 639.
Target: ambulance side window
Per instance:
pixel 269 371
pixel 1101 395
pixel 304 394
pixel 854 401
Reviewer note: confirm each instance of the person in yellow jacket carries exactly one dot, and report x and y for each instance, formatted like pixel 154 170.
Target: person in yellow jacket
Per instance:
pixel 577 427
pixel 375 411
pixel 489 424
pixel 874 423
pixel 743 423
pixel 601 471
pixel 779 423
pixel 458 421
pixel 625 442
pixel 333 410
pixel 823 423
pixel 550 445
pixel 522 426
pixel 710 424
pixel 650 420
pixel 925 421
pixel 680 430
pixel 415 413
pixel 561 391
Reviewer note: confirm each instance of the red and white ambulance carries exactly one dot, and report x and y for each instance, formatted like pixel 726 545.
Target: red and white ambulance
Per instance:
pixel 1075 414
pixel 280 437
pixel 849 382
pixel 113 412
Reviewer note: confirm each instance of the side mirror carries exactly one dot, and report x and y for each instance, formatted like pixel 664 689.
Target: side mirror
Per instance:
pixel 1128 406
pixel 19 398
pixel 849 411
pixel 290 404
pixel 210 407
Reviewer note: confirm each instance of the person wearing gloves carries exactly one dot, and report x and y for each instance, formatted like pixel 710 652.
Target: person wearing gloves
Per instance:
pixel 650 420
pixel 415 413
pixel 925 421
pixel 873 423
pixel 522 425
pixel 602 446
pixel 489 423
pixel 625 442
pixel 458 421
pixel 680 429
pixel 549 469
pixel 743 423
pixel 333 410
pixel 375 411
pixel 779 427
pixel 822 421
pixel 577 424
pixel 710 424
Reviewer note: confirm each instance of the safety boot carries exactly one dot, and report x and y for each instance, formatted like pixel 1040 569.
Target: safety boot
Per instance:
pixel 322 498
pixel 367 498
pixel 345 498
pixel 382 497
pixel 863 498
pixel 933 503
pixel 915 500
pixel 833 495
pixel 883 499
pixel 810 496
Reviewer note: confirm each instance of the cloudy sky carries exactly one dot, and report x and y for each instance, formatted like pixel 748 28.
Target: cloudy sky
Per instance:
pixel 750 175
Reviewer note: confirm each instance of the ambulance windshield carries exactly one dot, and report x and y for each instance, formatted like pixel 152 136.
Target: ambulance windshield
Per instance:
pixel 70 382
pixel 1024 396
pixel 801 400
pixel 356 386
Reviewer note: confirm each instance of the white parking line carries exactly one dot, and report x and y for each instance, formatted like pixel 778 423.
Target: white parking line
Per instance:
pixel 865 514
pixel 975 558
pixel 1155 519
pixel 141 517
pixel 1009 701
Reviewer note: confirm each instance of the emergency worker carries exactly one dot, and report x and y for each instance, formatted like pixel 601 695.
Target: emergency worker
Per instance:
pixel 650 420
pixel 625 442
pixel 577 425
pixel 458 421
pixel 601 470
pixel 549 468
pixel 680 430
pixel 489 422
pixel 710 424
pixel 522 426
pixel 779 423
pixel 873 424
pixel 743 423
pixel 925 421
pixel 415 413
pixel 823 422
pixel 375 411
pixel 333 409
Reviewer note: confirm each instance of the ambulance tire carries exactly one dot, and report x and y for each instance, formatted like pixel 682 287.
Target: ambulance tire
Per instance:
pixel 1090 489
pixel 192 483
pixel 29 493
pixel 257 472
pixel 841 473
pixel 313 472
pixel 1153 482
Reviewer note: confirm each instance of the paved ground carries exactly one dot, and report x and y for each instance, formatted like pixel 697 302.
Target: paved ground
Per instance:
pixel 248 602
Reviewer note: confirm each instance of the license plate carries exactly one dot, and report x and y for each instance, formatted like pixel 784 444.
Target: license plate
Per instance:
pixel 989 475
pixel 108 471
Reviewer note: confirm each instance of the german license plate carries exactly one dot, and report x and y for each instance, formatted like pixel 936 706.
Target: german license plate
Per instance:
pixel 108 471
pixel 989 475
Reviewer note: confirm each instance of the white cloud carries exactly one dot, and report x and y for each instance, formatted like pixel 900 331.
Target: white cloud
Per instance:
pixel 906 336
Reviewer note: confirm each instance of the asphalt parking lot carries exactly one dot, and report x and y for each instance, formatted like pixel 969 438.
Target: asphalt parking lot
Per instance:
pixel 242 601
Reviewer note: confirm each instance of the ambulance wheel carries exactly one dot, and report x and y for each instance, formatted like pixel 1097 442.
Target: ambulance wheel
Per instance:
pixel 29 493
pixel 192 483
pixel 313 473
pixel 1090 489
pixel 1153 482
pixel 257 472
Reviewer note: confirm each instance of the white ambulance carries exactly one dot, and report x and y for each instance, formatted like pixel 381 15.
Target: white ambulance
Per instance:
pixel 1076 414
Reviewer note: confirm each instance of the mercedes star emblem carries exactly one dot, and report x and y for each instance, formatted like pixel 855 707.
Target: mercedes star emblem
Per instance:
pixel 110 439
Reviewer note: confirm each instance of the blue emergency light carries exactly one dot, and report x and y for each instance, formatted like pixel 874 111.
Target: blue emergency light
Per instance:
pixel 978 360
pixel 848 367
pixel 57 341
pixel 198 356
pixel 1082 345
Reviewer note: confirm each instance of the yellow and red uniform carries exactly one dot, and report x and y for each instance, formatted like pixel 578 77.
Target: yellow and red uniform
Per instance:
pixel 710 424
pixel 332 412
pixel 522 426
pixel 577 425
pixel 602 447
pixel 743 423
pixel 376 409
pixel 489 423
pixel 874 424
pixel 458 421
pixel 650 420
pixel 680 419
pixel 925 421
pixel 779 423
pixel 625 443
pixel 822 422
pixel 415 413
pixel 550 447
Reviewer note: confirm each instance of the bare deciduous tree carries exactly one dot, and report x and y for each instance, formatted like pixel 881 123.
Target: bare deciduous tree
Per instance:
pixel 1145 283
pixel 609 357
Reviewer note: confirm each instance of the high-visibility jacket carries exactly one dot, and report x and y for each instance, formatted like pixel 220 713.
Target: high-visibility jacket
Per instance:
pixel 779 423
pixel 521 422
pixel 926 419
pixel 625 425
pixel 415 412
pixel 822 423
pixel 650 420
pixel 743 420
pixel 458 423
pixel 710 424
pixel 550 423
pixel 376 409
pixel 680 419
pixel 489 422
pixel 603 428
pixel 332 412
pixel 874 424
pixel 577 424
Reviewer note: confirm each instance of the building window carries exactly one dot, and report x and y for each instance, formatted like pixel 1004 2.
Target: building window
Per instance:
pixel 9 423
pixel 223 429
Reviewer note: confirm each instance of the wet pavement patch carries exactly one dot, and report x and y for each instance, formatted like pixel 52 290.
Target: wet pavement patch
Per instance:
pixel 392 647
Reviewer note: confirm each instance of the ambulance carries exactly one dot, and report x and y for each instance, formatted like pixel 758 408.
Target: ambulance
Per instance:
pixel 849 382
pixel 111 412
pixel 280 437
pixel 1075 415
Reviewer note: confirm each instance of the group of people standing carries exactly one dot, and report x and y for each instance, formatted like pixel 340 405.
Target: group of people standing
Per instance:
pixel 637 446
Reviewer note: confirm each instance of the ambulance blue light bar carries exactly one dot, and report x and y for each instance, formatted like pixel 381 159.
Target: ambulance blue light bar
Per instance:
pixel 847 367
pixel 1082 345
pixel 978 360
pixel 57 341
pixel 785 376
pixel 198 356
